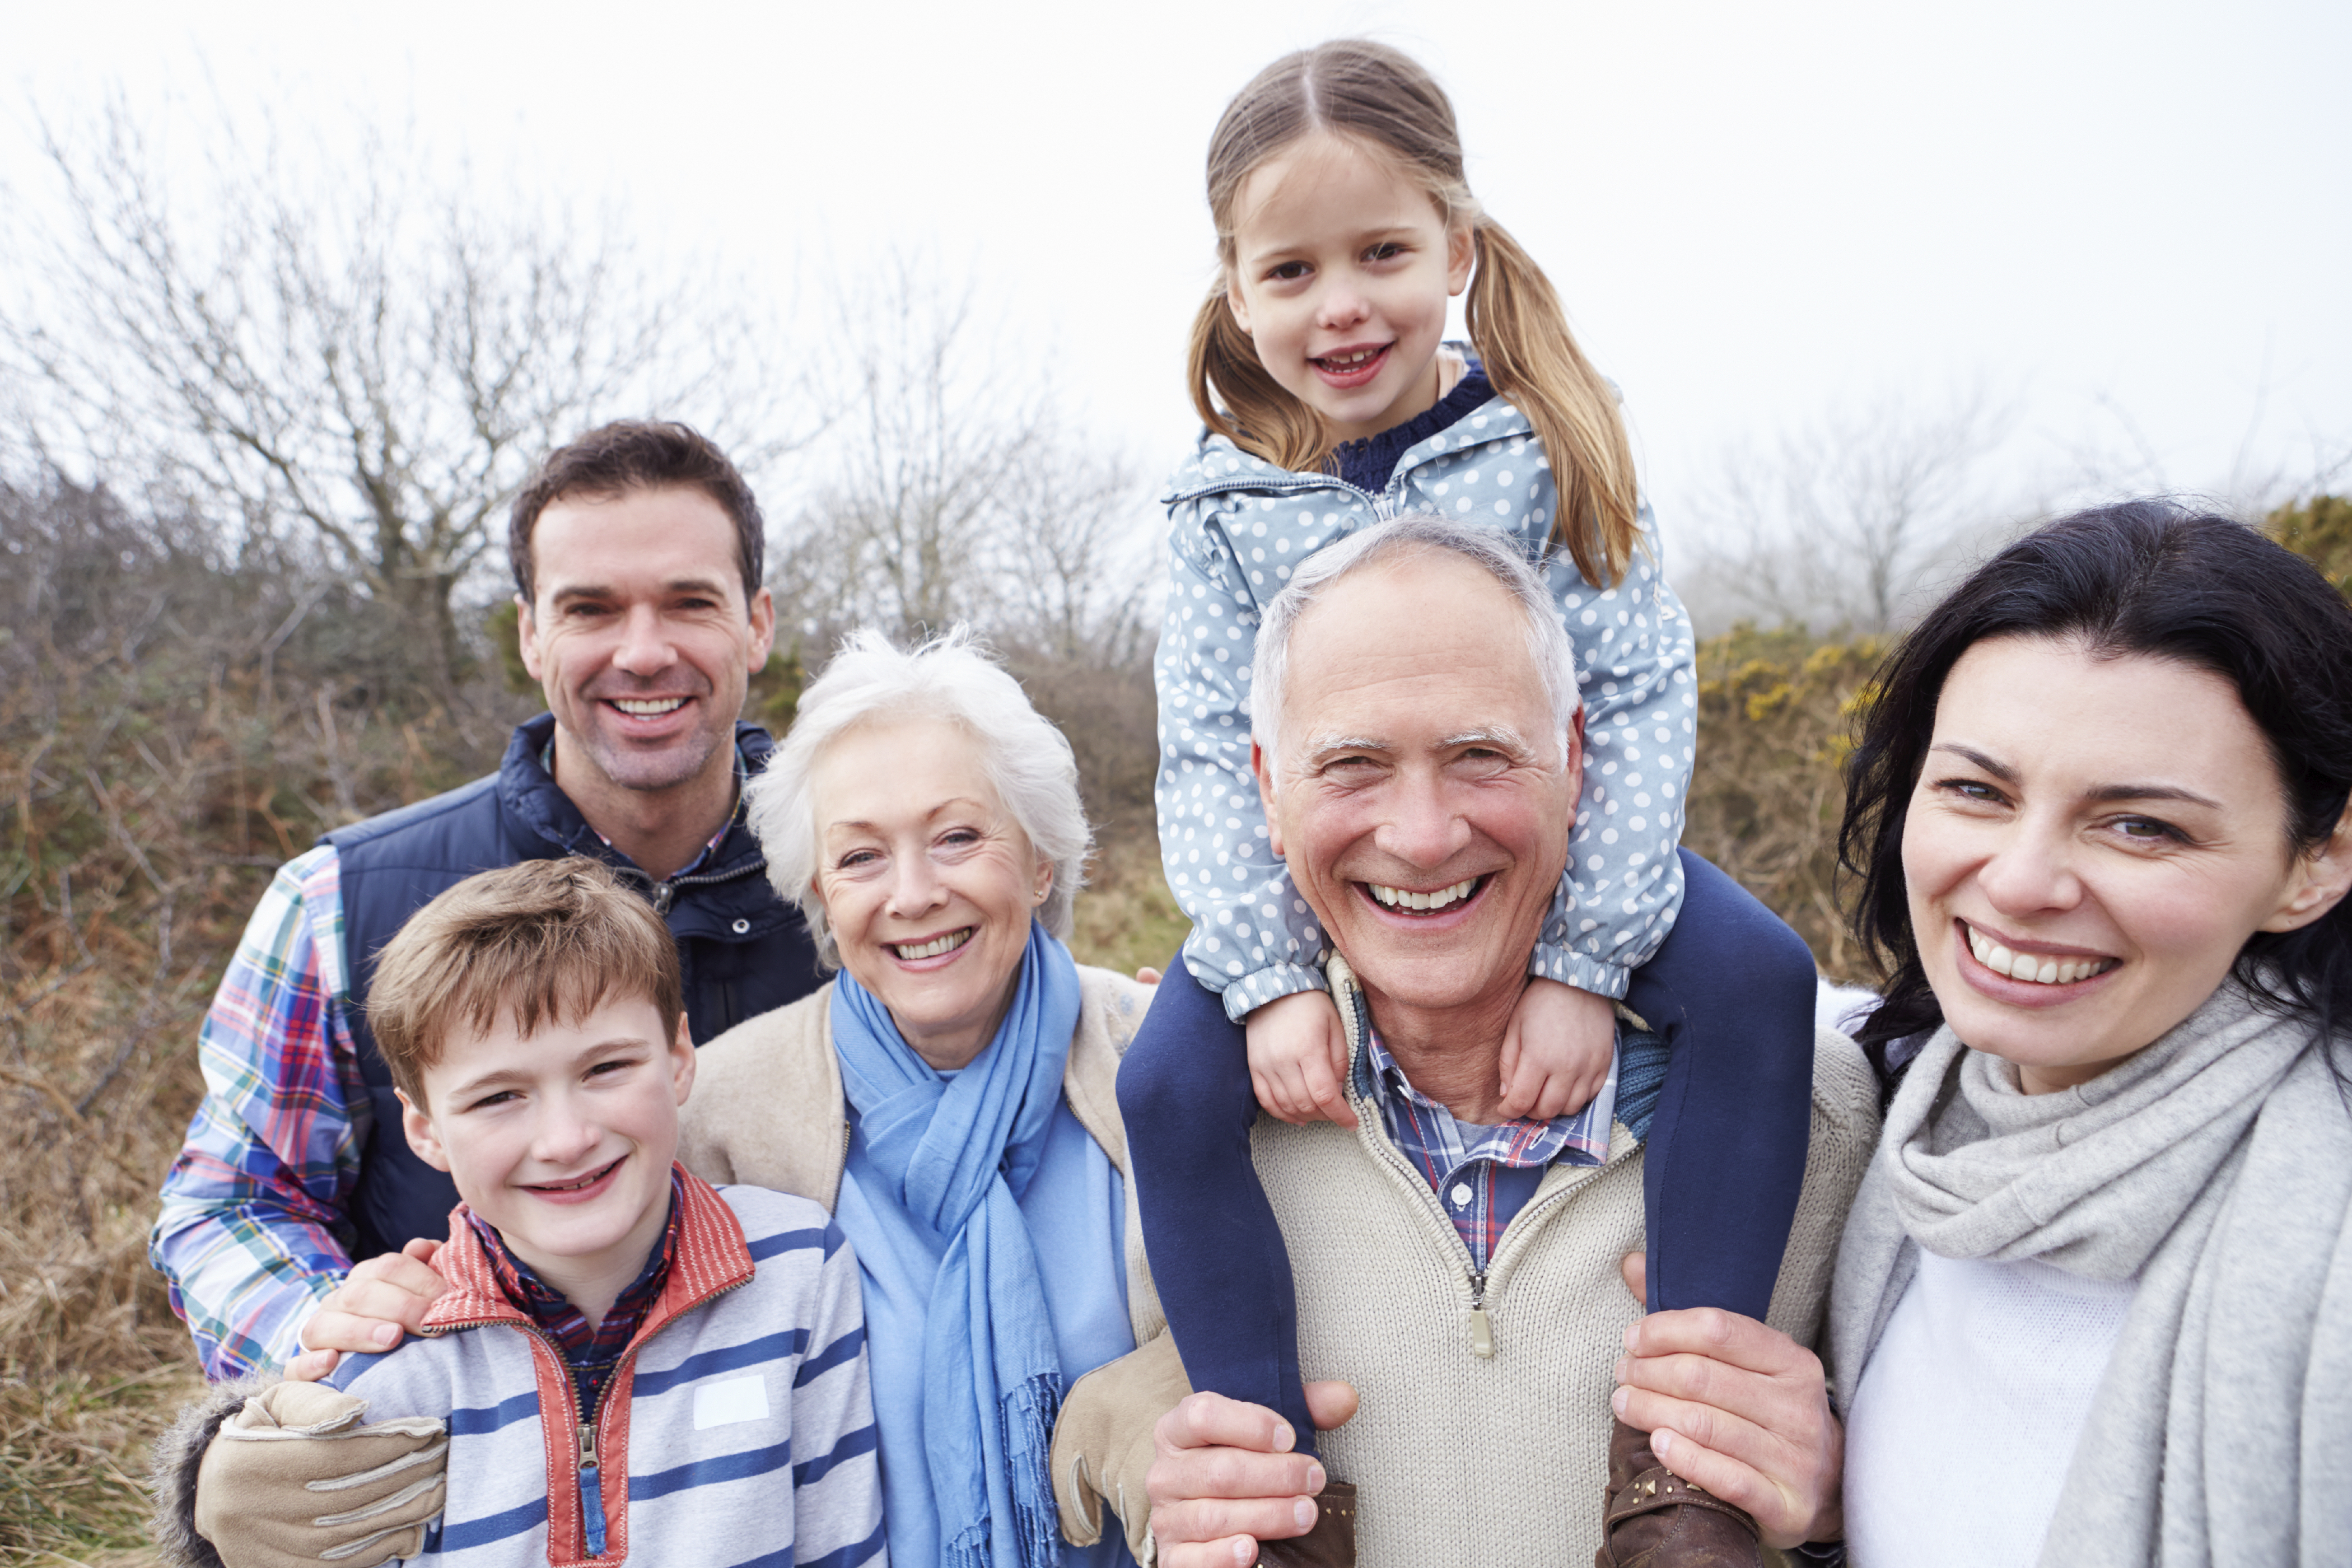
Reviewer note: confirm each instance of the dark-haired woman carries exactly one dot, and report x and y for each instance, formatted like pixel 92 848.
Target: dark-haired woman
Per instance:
pixel 2094 1301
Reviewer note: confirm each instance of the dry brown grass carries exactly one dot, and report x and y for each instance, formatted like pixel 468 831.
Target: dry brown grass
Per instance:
pixel 171 727
pixel 1127 918
pixel 99 1083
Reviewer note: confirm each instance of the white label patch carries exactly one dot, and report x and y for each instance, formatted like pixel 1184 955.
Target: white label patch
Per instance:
pixel 725 1404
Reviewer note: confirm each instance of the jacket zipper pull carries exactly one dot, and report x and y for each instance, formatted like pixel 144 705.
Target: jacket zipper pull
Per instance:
pixel 591 1493
pixel 1482 1327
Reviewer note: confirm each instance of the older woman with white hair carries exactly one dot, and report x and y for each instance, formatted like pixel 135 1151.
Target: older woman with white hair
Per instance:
pixel 949 1096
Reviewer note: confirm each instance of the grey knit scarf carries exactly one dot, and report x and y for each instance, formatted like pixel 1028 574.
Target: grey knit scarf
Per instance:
pixel 2217 1166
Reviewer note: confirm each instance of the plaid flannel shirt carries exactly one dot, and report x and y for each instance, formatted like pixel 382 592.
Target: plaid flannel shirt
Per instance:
pixel 1483 1176
pixel 589 1349
pixel 255 1229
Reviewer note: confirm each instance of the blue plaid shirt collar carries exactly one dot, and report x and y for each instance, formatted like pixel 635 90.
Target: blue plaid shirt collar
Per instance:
pixel 1482 1175
pixel 588 1352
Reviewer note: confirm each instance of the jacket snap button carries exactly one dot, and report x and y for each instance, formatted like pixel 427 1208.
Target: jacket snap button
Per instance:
pixel 741 926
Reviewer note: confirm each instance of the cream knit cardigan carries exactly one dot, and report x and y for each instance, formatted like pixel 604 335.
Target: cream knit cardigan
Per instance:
pixel 1496 1458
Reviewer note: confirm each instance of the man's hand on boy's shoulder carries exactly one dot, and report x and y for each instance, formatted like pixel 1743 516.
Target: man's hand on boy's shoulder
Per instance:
pixel 378 1302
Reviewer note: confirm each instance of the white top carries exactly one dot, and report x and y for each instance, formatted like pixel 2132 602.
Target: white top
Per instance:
pixel 1958 1439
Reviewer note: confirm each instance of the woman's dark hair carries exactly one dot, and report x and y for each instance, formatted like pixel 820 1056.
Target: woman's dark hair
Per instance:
pixel 2146 577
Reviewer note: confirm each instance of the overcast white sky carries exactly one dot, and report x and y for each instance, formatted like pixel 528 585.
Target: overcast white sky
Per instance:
pixel 2134 219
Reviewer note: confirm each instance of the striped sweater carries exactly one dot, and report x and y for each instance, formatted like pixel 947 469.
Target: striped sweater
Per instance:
pixel 735 1429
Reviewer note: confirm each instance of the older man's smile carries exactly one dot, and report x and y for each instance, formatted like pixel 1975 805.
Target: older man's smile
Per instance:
pixel 1423 907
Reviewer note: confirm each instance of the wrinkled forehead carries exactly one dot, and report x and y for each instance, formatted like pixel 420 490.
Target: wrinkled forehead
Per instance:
pixel 1424 643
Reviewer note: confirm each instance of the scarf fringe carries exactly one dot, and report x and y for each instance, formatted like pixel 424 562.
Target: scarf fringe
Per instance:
pixel 1030 1411
pixel 1027 1415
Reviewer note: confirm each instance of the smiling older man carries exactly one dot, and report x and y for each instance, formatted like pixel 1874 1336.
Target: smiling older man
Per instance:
pixel 1418 732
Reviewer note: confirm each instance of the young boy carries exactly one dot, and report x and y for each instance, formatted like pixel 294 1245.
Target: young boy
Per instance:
pixel 633 1366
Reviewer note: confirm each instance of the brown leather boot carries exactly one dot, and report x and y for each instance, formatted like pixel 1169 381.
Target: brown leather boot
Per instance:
pixel 1330 1544
pixel 1652 1519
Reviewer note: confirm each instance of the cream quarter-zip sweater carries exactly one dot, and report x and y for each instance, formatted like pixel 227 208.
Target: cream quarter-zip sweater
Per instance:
pixel 1483 1434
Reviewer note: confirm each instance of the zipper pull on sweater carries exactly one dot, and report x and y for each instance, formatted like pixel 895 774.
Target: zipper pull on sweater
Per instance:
pixel 1482 1327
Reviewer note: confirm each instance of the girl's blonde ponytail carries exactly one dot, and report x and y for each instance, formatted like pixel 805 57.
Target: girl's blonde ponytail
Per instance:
pixel 1521 334
pixel 1240 401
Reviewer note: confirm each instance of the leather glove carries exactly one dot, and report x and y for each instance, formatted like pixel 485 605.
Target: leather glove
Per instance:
pixel 1102 1443
pixel 294 1478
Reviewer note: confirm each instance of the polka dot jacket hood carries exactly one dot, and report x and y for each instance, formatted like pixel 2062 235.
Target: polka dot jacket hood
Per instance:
pixel 1238 524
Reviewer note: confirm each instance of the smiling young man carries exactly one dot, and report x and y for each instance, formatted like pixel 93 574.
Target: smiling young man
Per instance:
pixel 625 1354
pixel 296 1215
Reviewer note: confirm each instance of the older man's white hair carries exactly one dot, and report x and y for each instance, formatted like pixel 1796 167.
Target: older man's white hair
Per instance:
pixel 1492 551
pixel 953 678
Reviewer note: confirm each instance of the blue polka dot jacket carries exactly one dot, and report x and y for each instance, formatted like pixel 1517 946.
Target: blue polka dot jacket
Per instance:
pixel 1238 524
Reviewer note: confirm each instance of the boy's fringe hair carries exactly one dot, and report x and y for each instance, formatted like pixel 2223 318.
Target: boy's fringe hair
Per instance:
pixel 541 941
pixel 1382 100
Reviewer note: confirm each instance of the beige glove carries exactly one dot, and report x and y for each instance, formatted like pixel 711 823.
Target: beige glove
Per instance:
pixel 1102 1443
pixel 294 1479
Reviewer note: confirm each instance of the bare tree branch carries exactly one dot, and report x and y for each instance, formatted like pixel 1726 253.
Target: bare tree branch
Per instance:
pixel 950 490
pixel 377 358
pixel 1850 517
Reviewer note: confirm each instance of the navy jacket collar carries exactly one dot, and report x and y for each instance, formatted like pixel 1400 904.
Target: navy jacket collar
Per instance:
pixel 533 800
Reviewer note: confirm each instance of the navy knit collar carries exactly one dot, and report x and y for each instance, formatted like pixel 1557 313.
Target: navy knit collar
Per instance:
pixel 1370 463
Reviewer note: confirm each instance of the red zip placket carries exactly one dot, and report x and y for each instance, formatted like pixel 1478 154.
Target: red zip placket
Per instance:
pixel 710 1259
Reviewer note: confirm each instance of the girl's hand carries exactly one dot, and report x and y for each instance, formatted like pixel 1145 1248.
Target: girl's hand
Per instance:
pixel 1555 1053
pixel 1297 1054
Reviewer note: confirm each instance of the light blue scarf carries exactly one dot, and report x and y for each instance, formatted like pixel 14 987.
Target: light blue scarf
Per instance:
pixel 961 1152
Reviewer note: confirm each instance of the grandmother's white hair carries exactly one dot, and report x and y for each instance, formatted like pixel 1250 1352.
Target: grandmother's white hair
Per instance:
pixel 1488 548
pixel 951 678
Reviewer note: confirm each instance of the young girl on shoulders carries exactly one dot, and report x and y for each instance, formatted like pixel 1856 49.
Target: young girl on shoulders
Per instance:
pixel 1319 365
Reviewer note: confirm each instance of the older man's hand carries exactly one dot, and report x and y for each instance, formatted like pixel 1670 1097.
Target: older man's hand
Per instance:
pixel 1225 1477
pixel 380 1300
pixel 1740 1408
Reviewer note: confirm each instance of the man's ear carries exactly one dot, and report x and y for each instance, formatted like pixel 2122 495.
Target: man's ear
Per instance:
pixel 1262 767
pixel 422 1137
pixel 682 1059
pixel 2320 880
pixel 1575 742
pixel 762 609
pixel 526 635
